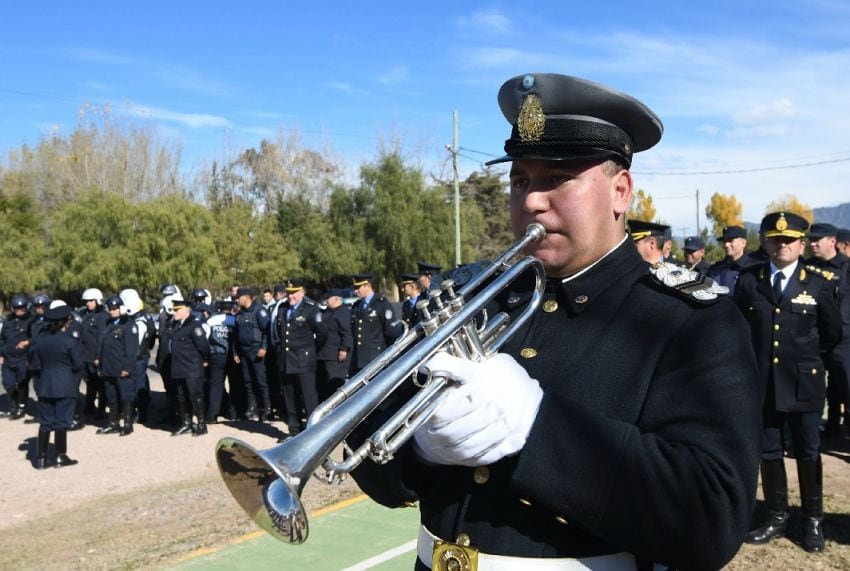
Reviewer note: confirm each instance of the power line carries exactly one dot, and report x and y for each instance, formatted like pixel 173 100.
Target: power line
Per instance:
pixel 739 171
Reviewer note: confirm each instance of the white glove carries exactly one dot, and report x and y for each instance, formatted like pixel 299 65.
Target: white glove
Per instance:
pixel 486 416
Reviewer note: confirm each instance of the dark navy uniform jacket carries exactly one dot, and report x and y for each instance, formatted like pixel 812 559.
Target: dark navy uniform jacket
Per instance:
pixel 646 440
pixel 373 328
pixel 409 313
pixel 297 337
pixel 221 329
pixel 789 336
pixel 92 325
pixel 726 271
pixel 839 267
pixel 59 356
pixel 190 348
pixel 334 336
pixel 252 327
pixel 15 329
pixel 118 348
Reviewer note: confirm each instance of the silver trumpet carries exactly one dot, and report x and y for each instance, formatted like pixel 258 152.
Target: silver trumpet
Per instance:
pixel 268 483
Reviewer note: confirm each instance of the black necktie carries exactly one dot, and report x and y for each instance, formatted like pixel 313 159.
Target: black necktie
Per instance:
pixel 777 285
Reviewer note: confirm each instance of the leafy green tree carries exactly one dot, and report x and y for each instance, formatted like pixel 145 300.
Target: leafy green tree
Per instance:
pixel 22 267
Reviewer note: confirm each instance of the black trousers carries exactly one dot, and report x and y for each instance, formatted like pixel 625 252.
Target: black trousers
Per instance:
pixel 254 376
pixel 56 413
pixel 805 435
pixel 215 386
pixel 118 388
pixel 297 388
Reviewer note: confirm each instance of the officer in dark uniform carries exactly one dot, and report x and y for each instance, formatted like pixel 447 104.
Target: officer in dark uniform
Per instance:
pixel 40 304
pixel 221 325
pixel 59 357
pixel 602 435
pixel 373 323
pixel 725 272
pixel 823 240
pixel 793 319
pixel 694 249
pixel 271 360
pixel 297 325
pixel 426 272
pixel 252 326
pixel 163 351
pixel 842 241
pixel 412 293
pixel 14 340
pixel 333 344
pixel 190 353
pixel 92 325
pixel 649 239
pixel 135 310
pixel 119 349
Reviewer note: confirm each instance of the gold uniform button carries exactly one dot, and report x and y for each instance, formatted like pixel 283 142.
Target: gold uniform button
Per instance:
pixel 814 371
pixel 776 360
pixel 777 310
pixel 550 305
pixel 481 475
pixel 776 343
pixel 463 539
pixel 525 502
pixel 776 327
pixel 561 519
pixel 528 353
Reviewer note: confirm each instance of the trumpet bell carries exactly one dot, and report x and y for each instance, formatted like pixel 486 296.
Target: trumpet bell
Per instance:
pixel 262 492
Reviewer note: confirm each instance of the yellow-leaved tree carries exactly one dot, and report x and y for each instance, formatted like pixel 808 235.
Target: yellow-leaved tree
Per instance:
pixel 723 211
pixel 641 207
pixel 790 203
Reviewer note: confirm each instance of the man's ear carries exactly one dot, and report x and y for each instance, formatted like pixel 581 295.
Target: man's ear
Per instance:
pixel 621 188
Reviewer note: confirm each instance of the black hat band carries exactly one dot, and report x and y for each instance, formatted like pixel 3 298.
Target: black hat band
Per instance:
pixel 566 138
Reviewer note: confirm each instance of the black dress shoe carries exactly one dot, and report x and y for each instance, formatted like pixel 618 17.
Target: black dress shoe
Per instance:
pixel 776 526
pixel 108 430
pixel 41 463
pixel 76 425
pixel 63 460
pixel 813 541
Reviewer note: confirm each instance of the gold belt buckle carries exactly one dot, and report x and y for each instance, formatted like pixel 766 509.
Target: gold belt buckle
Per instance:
pixel 458 556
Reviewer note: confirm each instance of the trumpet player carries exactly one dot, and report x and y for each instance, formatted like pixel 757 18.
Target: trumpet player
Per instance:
pixel 601 436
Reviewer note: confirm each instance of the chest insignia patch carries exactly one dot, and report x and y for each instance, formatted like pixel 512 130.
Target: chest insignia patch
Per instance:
pixel 804 299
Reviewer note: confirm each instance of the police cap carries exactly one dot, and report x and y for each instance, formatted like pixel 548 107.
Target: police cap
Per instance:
pixel 693 243
pixel 279 288
pixel 785 224
pixel 59 312
pixel 178 301
pixel 843 235
pixel 244 291
pixel 640 229
pixel 113 301
pixel 409 278
pixel 732 232
pixel 334 292
pixel 294 285
pixel 426 269
pixel 559 117
pixel 358 280
pixel 821 230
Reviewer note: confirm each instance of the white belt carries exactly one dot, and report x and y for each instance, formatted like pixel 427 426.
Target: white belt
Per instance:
pixel 487 562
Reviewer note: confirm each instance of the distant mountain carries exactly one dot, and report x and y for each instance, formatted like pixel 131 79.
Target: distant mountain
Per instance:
pixel 838 216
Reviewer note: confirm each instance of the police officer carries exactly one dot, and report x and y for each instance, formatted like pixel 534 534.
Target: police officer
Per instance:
pixel 14 340
pixel 426 271
pixel 92 325
pixel 271 360
pixel 40 304
pixel 825 256
pixel 58 355
pixel 333 343
pixel 694 249
pixel 649 239
pixel 163 351
pixel 589 442
pixel 410 289
pixel 119 350
pixel 297 327
pixel 135 310
pixel 793 318
pixel 373 323
pixel 252 326
pixel 221 325
pixel 842 241
pixel 725 272
pixel 190 353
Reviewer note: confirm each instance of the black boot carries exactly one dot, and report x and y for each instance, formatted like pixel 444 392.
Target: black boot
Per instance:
pixel 198 411
pixel 128 418
pixel 811 496
pixel 775 488
pixel 251 411
pixel 41 460
pixel 185 419
pixel 62 458
pixel 113 427
pixel 15 410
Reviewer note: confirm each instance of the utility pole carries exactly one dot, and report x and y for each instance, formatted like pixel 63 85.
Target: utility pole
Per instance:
pixel 698 232
pixel 457 190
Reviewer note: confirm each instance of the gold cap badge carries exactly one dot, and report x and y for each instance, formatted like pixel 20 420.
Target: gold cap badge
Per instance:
pixel 531 120
pixel 781 223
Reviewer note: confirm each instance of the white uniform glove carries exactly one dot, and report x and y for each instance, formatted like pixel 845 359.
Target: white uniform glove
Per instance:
pixel 485 417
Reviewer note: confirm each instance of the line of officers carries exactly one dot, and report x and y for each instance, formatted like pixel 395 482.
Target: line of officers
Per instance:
pixel 798 310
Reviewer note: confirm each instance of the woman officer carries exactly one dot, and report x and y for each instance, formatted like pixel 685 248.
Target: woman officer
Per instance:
pixel 57 352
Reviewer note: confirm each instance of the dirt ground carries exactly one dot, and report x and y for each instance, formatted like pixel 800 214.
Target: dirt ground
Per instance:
pixel 148 499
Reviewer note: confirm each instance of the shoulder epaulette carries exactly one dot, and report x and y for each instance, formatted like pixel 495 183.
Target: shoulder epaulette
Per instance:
pixel 309 301
pixel 825 274
pixel 688 283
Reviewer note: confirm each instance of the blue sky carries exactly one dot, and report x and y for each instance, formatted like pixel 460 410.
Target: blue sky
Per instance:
pixel 740 85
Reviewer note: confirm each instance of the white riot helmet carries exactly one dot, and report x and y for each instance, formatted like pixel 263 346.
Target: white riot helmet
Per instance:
pixel 132 302
pixel 56 303
pixel 167 305
pixel 93 294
